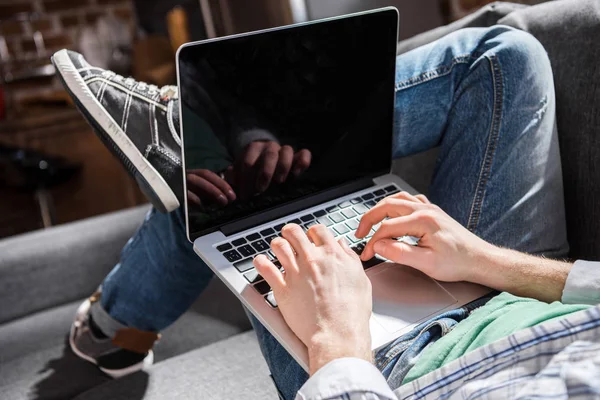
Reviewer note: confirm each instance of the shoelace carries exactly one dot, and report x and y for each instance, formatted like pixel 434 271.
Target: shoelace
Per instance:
pixel 166 93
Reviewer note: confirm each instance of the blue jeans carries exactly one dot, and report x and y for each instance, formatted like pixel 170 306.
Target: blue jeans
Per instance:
pixel 485 97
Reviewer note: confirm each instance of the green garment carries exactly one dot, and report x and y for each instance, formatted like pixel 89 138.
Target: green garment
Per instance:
pixel 503 315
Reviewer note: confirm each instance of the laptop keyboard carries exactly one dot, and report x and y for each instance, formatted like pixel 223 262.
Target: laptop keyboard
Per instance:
pixel 342 220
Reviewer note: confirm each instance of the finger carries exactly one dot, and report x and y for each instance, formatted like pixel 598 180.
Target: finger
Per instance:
pixel 284 165
pixel 193 199
pixel 423 198
pixel 404 195
pixel 285 254
pixel 268 161
pixel 298 239
pixel 219 182
pixel 343 242
pixel 320 235
pixel 270 272
pixel 402 253
pixel 206 190
pixel 302 160
pixel 386 208
pixel 245 168
pixel 401 226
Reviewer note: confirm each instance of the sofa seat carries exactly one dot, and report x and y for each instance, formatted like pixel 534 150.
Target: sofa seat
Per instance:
pixel 36 362
pixel 230 369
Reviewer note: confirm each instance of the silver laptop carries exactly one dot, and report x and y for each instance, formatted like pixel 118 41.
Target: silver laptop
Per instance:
pixel 298 121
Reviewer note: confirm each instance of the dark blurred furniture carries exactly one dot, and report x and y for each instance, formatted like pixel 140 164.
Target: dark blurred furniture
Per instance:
pixel 44 275
pixel 100 186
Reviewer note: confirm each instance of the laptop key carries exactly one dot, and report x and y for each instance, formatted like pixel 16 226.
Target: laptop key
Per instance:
pixel 253 237
pixel 370 204
pixel 389 188
pixel 267 232
pixel 244 265
pixel 332 209
pixel 379 192
pixel 279 227
pixel 270 298
pixel 325 221
pixel 295 221
pixel 360 209
pixel 312 223
pixel 352 239
pixel 253 276
pixel 367 196
pixel 232 256
pixel 356 200
pixel 345 204
pixel 260 245
pixel 224 247
pixel 341 229
pixel 262 287
pixel 349 213
pixel 246 250
pixel 239 242
pixel 270 239
pixel 307 218
pixel 358 249
pixel 353 224
pixel 319 213
pixel 336 217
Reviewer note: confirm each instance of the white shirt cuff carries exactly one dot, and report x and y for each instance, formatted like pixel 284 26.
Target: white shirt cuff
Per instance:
pixel 583 284
pixel 346 376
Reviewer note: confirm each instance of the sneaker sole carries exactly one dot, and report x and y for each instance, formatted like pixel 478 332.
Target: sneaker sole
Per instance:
pixel 110 133
pixel 113 373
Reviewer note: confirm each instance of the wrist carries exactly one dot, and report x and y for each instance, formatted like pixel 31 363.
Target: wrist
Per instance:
pixel 523 274
pixel 325 347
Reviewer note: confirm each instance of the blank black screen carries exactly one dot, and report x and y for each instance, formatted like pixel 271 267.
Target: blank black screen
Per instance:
pixel 310 105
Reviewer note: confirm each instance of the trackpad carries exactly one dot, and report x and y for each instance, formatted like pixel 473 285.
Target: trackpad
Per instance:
pixel 403 296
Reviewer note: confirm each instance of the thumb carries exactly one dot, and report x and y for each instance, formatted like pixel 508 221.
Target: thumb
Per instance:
pixel 401 253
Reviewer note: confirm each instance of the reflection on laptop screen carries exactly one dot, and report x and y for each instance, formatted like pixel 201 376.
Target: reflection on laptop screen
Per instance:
pixel 281 115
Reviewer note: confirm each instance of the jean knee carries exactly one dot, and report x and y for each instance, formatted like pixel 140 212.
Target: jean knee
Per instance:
pixel 523 61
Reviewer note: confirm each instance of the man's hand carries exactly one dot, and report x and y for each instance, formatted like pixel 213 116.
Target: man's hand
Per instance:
pixel 204 187
pixel 324 293
pixel 265 162
pixel 447 251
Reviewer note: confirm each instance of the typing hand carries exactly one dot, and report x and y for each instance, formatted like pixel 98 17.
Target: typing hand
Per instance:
pixel 446 251
pixel 324 294
pixel 265 162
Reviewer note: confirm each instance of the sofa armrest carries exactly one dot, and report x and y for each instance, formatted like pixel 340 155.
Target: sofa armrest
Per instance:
pixel 54 266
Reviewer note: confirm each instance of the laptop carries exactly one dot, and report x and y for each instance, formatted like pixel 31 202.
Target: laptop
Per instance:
pixel 312 107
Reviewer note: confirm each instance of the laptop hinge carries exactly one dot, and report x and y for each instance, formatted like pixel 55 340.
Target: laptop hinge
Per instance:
pixel 298 205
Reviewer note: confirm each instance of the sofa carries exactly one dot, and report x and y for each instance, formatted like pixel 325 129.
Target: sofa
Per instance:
pixel 211 353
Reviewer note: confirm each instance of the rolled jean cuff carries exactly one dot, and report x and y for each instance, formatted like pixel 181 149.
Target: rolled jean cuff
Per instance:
pixel 107 324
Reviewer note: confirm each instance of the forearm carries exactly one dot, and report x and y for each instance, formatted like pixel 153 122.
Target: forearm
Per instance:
pixel 522 274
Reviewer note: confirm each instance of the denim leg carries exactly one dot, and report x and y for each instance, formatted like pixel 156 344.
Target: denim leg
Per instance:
pixel 158 276
pixel 485 96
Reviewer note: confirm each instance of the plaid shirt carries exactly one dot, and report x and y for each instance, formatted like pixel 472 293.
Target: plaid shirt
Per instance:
pixel 557 359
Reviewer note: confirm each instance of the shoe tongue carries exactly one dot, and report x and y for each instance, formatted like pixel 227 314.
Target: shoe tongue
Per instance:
pixel 169 93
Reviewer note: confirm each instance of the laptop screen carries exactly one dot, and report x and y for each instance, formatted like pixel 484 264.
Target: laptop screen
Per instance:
pixel 272 117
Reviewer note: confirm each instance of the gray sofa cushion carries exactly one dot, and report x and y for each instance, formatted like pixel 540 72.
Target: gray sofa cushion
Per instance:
pixel 231 369
pixel 569 30
pixel 50 267
pixel 35 361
